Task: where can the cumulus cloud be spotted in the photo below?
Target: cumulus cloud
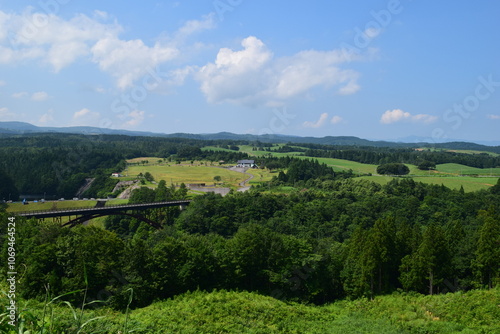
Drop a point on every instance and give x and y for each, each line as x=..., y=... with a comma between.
x=59, y=42
x=493, y=117
x=253, y=76
x=129, y=60
x=319, y=123
x=398, y=115
x=39, y=96
x=52, y=39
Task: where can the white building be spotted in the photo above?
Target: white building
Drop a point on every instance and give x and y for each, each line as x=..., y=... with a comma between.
x=246, y=164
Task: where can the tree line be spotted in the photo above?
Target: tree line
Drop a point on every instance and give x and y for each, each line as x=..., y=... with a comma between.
x=379, y=156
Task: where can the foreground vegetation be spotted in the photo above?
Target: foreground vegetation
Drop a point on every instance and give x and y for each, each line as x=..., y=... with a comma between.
x=244, y=312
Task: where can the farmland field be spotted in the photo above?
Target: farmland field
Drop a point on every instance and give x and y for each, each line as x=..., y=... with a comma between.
x=196, y=173
x=453, y=182
x=464, y=170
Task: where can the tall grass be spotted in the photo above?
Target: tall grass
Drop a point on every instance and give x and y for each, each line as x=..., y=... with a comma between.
x=244, y=312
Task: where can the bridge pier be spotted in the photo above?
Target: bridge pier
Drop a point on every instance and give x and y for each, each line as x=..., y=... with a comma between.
x=182, y=207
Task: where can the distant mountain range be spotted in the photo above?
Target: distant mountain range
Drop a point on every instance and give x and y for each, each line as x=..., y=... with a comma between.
x=22, y=128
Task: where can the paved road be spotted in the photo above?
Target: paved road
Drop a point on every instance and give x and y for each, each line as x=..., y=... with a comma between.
x=243, y=185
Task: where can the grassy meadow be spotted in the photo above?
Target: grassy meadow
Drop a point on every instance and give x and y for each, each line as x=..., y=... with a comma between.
x=198, y=172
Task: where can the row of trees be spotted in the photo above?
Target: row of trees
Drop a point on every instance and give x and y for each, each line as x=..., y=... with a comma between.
x=379, y=156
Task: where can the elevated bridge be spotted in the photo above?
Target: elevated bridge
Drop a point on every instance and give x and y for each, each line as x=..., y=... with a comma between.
x=82, y=215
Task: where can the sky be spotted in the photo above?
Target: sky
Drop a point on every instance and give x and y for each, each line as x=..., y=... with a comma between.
x=375, y=69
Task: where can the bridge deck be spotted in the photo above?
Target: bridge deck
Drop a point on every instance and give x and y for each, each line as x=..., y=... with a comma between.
x=102, y=210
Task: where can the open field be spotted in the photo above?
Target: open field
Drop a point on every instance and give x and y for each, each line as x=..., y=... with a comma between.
x=196, y=173
x=458, y=151
x=453, y=182
x=260, y=175
x=466, y=170
x=204, y=172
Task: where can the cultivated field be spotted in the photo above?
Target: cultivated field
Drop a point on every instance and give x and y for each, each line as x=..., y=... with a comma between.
x=466, y=170
x=452, y=182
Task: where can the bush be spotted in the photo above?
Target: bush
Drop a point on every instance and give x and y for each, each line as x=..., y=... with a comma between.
x=393, y=169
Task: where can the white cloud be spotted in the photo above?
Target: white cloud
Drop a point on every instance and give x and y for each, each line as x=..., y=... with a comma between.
x=6, y=115
x=60, y=42
x=136, y=118
x=252, y=76
x=129, y=60
x=39, y=96
x=494, y=117
x=47, y=118
x=52, y=39
x=336, y=120
x=194, y=26
x=19, y=95
x=319, y=123
x=398, y=115
x=85, y=117
x=424, y=118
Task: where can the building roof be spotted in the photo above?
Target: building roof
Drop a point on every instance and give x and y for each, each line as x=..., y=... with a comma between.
x=246, y=161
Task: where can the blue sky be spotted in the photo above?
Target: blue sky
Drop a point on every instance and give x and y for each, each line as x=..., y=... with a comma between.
x=373, y=69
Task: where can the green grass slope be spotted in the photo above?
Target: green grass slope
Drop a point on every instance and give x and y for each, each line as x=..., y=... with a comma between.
x=244, y=312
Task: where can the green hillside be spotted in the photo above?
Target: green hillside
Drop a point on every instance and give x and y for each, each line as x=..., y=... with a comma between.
x=244, y=312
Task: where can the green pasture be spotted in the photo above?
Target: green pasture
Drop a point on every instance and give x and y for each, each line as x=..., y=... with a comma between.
x=344, y=165
x=261, y=175
x=473, y=152
x=458, y=151
x=453, y=182
x=466, y=170
x=196, y=173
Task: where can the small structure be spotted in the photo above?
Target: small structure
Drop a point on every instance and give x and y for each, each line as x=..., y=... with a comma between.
x=116, y=175
x=246, y=164
x=195, y=185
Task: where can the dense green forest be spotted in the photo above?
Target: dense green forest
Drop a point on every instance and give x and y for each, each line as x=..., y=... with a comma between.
x=333, y=239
